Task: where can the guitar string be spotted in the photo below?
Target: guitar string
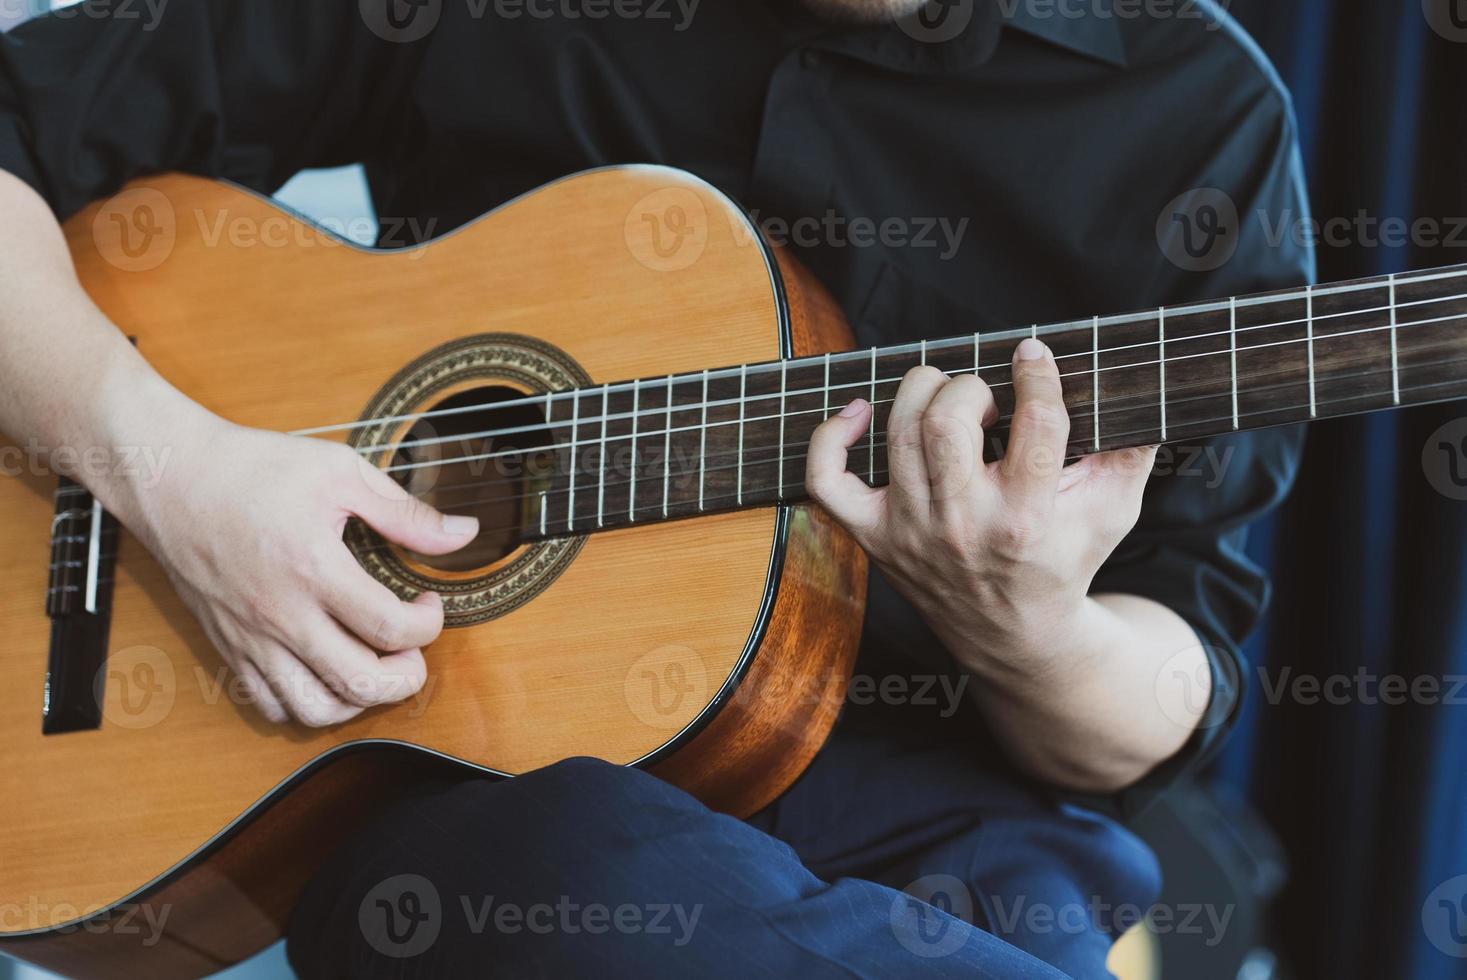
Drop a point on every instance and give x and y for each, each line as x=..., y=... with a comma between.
x=1016, y=333
x=1141, y=401
x=992, y=433
x=1144, y=399
x=669, y=386
x=519, y=452
x=883, y=470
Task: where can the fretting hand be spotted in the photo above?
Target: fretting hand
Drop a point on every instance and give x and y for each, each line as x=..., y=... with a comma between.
x=999, y=557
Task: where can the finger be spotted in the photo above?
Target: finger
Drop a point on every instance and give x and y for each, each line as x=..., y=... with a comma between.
x=359, y=675
x=905, y=460
x=355, y=673
x=308, y=700
x=849, y=500
x=1039, y=430
x=257, y=692
x=953, y=439
x=372, y=612
x=404, y=519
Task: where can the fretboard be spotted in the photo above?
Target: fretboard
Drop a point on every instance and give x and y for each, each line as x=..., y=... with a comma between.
x=664, y=448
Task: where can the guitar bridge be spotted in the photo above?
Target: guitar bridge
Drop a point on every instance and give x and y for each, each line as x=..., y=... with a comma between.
x=79, y=602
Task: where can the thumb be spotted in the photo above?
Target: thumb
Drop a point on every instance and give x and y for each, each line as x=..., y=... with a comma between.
x=1118, y=474
x=403, y=519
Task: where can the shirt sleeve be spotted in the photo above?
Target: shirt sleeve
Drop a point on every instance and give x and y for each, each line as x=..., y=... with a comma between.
x=1187, y=550
x=248, y=90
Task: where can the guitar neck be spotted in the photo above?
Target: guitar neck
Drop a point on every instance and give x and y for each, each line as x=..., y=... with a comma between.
x=664, y=448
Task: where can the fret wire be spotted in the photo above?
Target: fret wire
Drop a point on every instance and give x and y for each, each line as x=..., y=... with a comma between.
x=977, y=362
x=743, y=387
x=632, y=494
x=601, y=487
x=1161, y=365
x=924, y=352
x=871, y=433
x=782, y=376
x=1192, y=309
x=545, y=500
x=1309, y=348
x=1095, y=380
x=895, y=351
x=1395, y=368
x=825, y=412
x=1178, y=358
x=570, y=512
x=94, y=550
x=1233, y=352
x=703, y=442
x=667, y=447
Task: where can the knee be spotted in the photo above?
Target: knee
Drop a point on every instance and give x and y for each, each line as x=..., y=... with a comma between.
x=606, y=784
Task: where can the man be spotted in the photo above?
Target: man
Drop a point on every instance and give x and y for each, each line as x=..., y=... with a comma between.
x=1017, y=159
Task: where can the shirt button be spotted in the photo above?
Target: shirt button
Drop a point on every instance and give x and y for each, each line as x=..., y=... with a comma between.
x=810, y=58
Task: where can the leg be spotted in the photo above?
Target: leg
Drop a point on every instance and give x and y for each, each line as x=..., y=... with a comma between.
x=586, y=868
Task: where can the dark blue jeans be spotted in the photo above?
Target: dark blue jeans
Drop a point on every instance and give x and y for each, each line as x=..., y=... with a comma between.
x=888, y=858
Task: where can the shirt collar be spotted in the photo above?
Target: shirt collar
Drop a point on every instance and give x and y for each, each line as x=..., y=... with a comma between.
x=951, y=35
x=1089, y=27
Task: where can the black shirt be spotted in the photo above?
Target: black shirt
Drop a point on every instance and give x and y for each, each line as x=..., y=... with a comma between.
x=1010, y=164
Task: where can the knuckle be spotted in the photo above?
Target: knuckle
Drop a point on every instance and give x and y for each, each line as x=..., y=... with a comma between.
x=1045, y=416
x=1019, y=536
x=387, y=631
x=311, y=711
x=957, y=533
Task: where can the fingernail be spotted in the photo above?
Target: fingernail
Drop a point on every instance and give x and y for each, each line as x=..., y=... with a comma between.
x=460, y=525
x=853, y=409
x=1031, y=350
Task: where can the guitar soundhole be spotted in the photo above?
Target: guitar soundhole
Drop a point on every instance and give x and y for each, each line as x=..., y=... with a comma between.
x=489, y=458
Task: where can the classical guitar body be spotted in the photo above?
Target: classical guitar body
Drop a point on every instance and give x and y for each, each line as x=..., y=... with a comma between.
x=713, y=650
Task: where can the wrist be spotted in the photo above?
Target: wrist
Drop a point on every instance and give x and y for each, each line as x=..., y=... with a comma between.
x=143, y=428
x=1027, y=649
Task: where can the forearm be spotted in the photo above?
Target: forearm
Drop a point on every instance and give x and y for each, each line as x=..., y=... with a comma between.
x=1082, y=706
x=69, y=379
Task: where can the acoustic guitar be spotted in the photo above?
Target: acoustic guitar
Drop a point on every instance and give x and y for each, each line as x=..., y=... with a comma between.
x=620, y=377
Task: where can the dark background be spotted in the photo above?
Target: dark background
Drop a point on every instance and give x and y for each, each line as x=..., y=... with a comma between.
x=1368, y=554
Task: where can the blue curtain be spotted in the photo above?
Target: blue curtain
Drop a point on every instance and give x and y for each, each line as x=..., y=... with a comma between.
x=1369, y=559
